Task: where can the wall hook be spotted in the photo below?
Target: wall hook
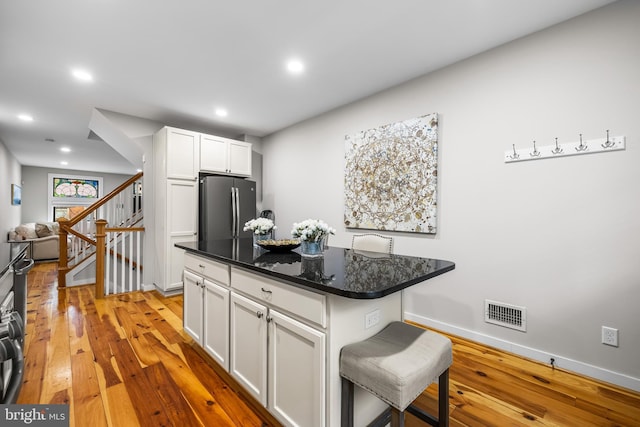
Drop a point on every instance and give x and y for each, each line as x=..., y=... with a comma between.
x=557, y=150
x=608, y=143
x=515, y=155
x=581, y=147
x=535, y=153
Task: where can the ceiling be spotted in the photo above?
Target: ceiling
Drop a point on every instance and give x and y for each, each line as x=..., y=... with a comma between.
x=175, y=62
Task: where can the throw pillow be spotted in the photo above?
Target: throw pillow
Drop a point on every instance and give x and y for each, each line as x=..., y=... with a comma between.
x=43, y=231
x=26, y=232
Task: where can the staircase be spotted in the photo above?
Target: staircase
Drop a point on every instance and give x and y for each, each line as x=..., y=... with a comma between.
x=107, y=235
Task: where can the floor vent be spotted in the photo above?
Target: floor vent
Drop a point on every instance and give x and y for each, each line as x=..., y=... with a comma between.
x=507, y=315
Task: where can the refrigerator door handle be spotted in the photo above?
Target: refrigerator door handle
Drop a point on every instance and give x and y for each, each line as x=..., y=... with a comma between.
x=237, y=211
x=234, y=212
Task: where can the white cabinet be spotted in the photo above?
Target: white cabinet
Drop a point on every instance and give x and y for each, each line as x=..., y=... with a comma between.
x=175, y=221
x=296, y=371
x=193, y=308
x=224, y=155
x=249, y=345
x=175, y=163
x=182, y=153
x=206, y=306
x=278, y=358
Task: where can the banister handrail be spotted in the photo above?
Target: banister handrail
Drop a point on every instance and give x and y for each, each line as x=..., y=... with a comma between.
x=76, y=219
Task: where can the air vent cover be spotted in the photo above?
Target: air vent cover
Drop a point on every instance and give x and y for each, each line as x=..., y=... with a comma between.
x=507, y=315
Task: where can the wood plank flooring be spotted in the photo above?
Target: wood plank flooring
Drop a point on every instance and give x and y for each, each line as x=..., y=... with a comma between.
x=122, y=361
x=125, y=361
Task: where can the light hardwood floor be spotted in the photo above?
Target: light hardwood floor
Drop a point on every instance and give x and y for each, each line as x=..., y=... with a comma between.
x=125, y=361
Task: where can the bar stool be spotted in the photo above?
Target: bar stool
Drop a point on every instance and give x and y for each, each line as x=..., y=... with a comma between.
x=396, y=365
x=372, y=242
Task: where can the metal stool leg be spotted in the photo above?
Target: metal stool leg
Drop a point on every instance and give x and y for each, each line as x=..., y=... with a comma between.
x=443, y=399
x=397, y=418
x=346, y=414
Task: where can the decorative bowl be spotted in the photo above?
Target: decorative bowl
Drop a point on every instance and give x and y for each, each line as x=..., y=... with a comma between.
x=284, y=245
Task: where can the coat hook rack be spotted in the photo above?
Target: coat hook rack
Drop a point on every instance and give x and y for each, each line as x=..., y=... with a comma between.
x=610, y=143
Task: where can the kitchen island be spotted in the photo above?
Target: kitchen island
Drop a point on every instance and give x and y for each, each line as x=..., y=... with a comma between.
x=277, y=321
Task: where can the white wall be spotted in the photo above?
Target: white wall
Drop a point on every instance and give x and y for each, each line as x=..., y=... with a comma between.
x=10, y=173
x=34, y=191
x=559, y=236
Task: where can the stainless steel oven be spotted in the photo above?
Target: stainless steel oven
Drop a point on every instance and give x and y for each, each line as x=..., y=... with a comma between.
x=13, y=293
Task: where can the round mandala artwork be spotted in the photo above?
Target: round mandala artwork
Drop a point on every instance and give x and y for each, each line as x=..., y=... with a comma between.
x=391, y=175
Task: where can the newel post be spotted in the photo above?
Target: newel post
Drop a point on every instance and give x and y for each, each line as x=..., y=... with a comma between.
x=63, y=266
x=100, y=254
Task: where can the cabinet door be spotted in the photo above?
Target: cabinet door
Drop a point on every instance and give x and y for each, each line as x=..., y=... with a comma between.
x=216, y=322
x=214, y=153
x=240, y=158
x=182, y=205
x=192, y=316
x=182, y=154
x=248, y=353
x=296, y=372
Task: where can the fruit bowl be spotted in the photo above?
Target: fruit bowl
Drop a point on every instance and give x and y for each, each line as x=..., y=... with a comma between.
x=283, y=245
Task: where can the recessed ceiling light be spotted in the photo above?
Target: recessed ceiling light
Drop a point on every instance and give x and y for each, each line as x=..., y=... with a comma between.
x=83, y=75
x=25, y=117
x=295, y=66
x=221, y=112
x=65, y=149
x=64, y=163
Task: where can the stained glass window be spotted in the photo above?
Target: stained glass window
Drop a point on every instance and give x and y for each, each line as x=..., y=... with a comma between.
x=75, y=188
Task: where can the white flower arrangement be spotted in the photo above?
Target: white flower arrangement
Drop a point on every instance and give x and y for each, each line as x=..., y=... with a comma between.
x=260, y=226
x=311, y=230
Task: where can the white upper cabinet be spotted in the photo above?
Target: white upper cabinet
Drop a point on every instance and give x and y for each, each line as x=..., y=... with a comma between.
x=224, y=155
x=182, y=154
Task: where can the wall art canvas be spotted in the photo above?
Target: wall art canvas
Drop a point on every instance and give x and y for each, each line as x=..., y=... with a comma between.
x=391, y=176
x=16, y=194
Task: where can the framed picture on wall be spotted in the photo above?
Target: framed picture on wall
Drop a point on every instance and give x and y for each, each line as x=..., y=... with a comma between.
x=16, y=194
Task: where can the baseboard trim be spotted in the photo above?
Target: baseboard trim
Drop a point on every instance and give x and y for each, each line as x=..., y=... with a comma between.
x=576, y=366
x=147, y=288
x=81, y=282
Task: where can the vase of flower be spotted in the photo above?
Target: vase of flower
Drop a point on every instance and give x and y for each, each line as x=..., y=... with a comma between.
x=312, y=234
x=311, y=249
x=262, y=229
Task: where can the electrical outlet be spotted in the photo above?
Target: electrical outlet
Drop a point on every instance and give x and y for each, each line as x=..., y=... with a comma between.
x=609, y=336
x=371, y=319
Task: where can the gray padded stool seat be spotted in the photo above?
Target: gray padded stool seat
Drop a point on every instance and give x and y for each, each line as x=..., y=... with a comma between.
x=396, y=365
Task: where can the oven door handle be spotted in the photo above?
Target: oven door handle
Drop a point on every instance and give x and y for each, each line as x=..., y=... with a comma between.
x=11, y=349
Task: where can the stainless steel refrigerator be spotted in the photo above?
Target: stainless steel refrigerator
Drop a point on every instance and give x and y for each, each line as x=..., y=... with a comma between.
x=225, y=204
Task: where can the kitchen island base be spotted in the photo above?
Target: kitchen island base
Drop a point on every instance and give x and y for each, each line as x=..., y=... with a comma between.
x=277, y=323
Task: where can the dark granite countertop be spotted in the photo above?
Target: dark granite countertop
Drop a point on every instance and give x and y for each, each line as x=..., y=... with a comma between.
x=345, y=272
